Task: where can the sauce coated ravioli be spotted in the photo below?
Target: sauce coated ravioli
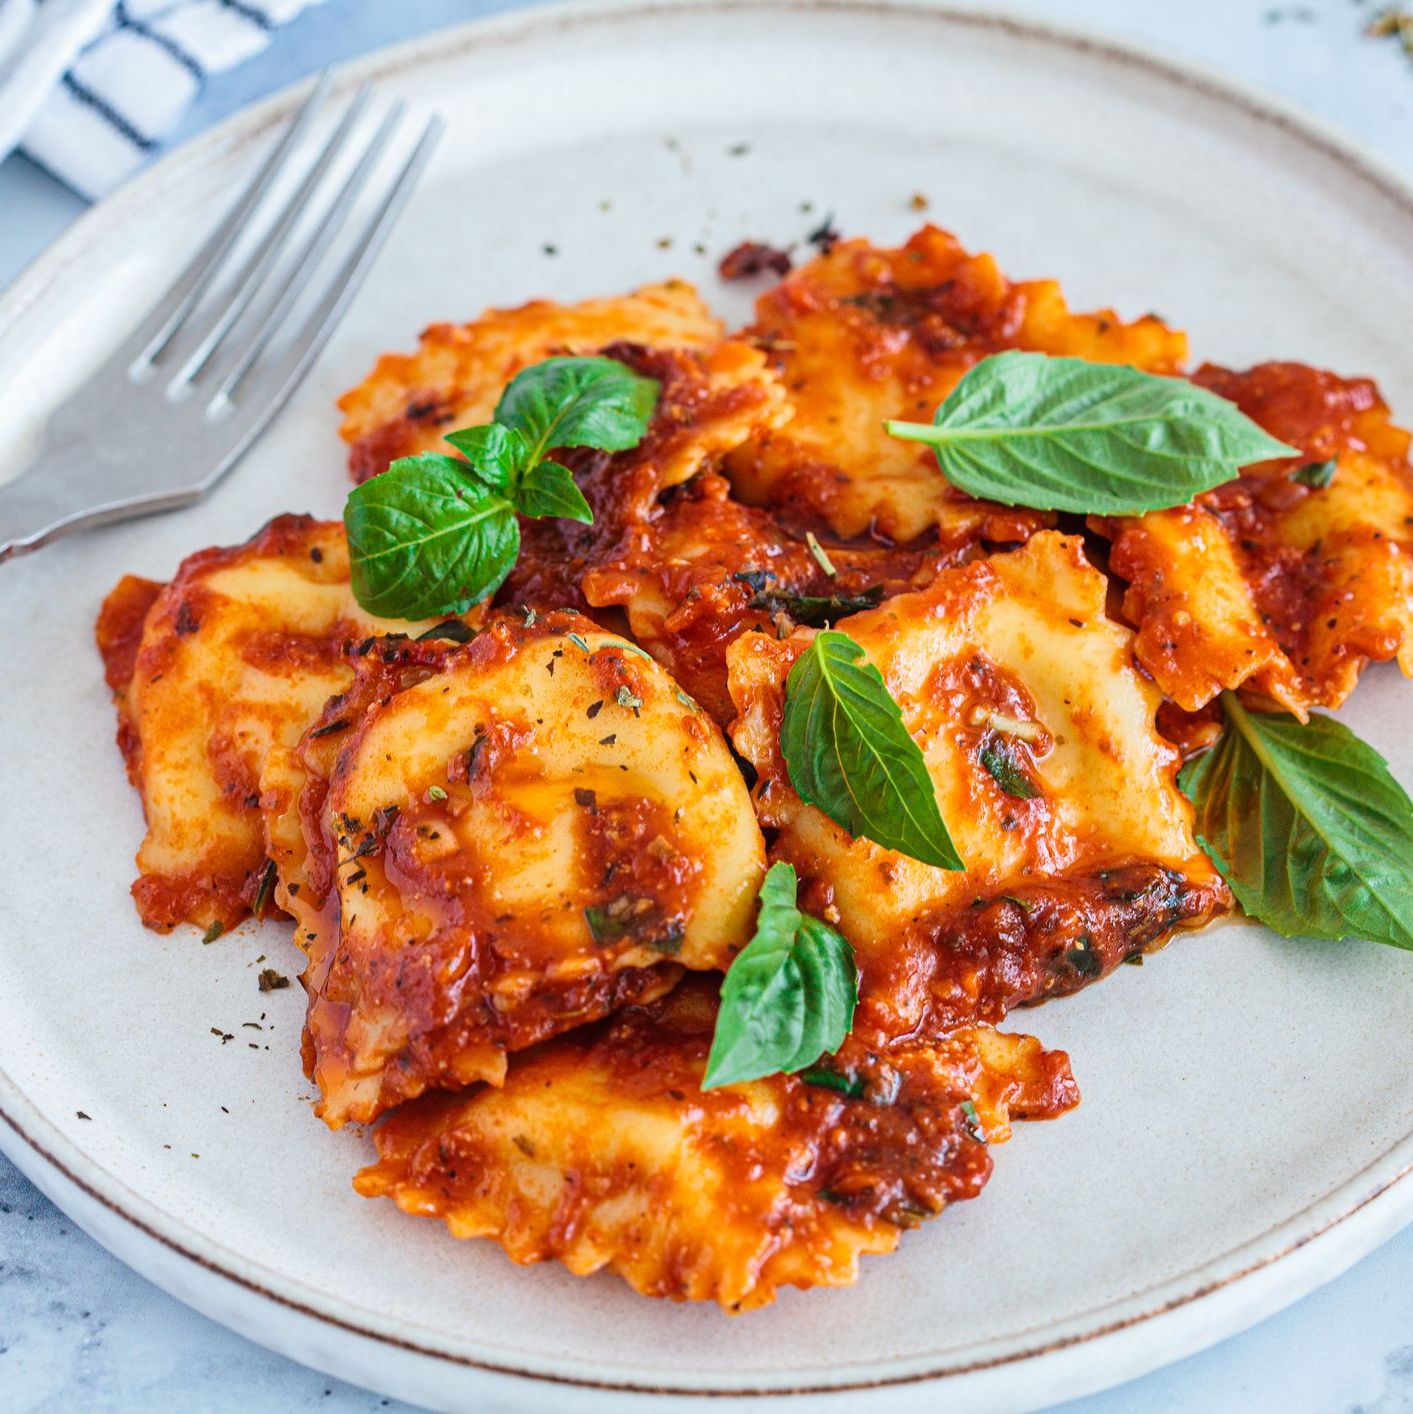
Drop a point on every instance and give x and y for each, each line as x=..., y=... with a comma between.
x=456, y=377
x=520, y=854
x=233, y=658
x=600, y=1150
x=1077, y=841
x=864, y=334
x=1290, y=578
x=507, y=843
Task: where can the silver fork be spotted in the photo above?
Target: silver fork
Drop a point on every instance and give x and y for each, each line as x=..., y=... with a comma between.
x=182, y=398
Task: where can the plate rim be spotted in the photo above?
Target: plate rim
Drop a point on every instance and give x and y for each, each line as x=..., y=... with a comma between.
x=1378, y=1186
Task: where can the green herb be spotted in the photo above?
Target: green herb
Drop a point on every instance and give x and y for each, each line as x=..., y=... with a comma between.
x=605, y=925
x=492, y=452
x=436, y=534
x=578, y=402
x=435, y=793
x=626, y=697
x=1307, y=825
x=550, y=490
x=788, y=997
x=452, y=629
x=630, y=916
x=669, y=940
x=213, y=932
x=686, y=701
x=1000, y=758
x=848, y=753
x=1064, y=434
x=263, y=891
x=815, y=610
x=1083, y=958
x=973, y=1120
x=579, y=641
x=627, y=648
x=1316, y=475
x=820, y=555
x=424, y=539
x=827, y=1079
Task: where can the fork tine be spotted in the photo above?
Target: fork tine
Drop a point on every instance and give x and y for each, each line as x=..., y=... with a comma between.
x=284, y=374
x=262, y=261
x=157, y=331
x=330, y=222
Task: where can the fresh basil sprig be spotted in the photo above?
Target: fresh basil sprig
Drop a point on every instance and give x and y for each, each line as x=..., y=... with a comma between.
x=435, y=534
x=847, y=752
x=1307, y=826
x=789, y=996
x=1064, y=434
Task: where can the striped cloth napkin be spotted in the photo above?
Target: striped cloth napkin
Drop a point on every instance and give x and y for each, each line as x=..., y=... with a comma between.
x=89, y=88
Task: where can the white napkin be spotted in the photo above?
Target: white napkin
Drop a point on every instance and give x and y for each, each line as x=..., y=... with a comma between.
x=88, y=88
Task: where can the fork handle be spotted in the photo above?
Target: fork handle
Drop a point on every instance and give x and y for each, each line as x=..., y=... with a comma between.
x=60, y=493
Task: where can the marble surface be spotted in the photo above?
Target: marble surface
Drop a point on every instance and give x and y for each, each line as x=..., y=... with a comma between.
x=78, y=1331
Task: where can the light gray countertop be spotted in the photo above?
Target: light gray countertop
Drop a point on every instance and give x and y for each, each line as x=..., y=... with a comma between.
x=79, y=1331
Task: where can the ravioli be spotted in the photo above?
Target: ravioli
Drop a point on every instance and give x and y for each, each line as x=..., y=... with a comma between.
x=409, y=401
x=1038, y=733
x=1271, y=584
x=537, y=829
x=864, y=334
x=707, y=569
x=520, y=854
x=601, y=1151
x=708, y=403
x=234, y=657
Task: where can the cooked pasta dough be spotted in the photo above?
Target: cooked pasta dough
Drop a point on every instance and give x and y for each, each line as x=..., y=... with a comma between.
x=540, y=827
x=455, y=379
x=601, y=1151
x=1009, y=658
x=863, y=334
x=1276, y=582
x=235, y=656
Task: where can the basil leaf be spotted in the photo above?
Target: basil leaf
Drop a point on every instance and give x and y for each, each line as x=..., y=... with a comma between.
x=424, y=540
x=1316, y=475
x=848, y=752
x=578, y=402
x=453, y=630
x=816, y=610
x=631, y=916
x=1002, y=761
x=549, y=490
x=1063, y=434
x=1307, y=826
x=789, y=995
x=851, y=1087
x=495, y=455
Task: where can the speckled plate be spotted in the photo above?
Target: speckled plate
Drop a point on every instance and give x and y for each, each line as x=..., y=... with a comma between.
x=1248, y=1102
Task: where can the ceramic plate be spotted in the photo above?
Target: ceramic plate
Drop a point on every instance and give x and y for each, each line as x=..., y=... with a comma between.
x=1248, y=1102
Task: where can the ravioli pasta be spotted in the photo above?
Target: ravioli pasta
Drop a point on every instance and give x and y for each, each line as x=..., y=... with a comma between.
x=1274, y=581
x=600, y=1150
x=456, y=376
x=236, y=656
x=861, y=335
x=521, y=847
x=1009, y=658
x=534, y=831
